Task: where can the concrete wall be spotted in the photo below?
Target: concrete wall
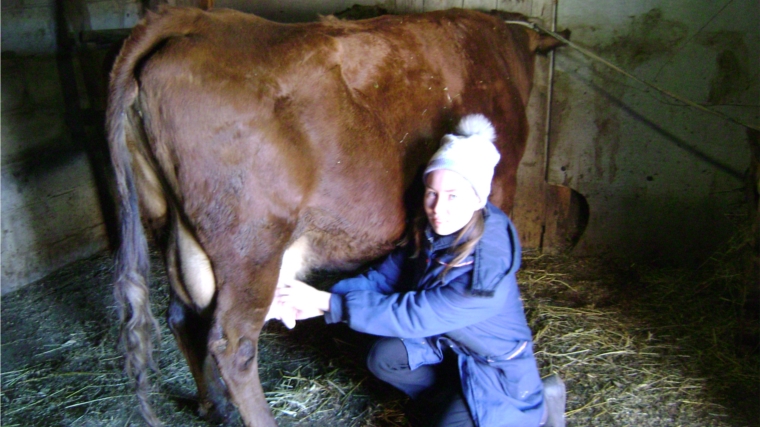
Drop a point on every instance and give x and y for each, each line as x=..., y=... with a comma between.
x=51, y=213
x=50, y=210
x=661, y=179
x=29, y=25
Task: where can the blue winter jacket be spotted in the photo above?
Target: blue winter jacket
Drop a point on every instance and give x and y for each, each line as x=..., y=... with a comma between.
x=475, y=310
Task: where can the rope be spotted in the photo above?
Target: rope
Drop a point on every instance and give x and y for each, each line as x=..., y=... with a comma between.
x=539, y=29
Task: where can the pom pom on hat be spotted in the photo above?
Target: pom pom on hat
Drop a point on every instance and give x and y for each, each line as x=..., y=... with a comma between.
x=470, y=152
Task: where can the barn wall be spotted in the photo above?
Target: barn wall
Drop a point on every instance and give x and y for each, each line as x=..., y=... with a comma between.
x=51, y=212
x=662, y=180
x=29, y=25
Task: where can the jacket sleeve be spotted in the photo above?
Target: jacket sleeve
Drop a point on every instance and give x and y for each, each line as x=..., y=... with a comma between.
x=418, y=314
x=382, y=278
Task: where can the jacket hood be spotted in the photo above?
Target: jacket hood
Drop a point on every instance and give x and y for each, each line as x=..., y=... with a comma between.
x=497, y=254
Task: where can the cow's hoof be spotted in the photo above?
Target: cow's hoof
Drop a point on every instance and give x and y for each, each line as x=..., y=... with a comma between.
x=554, y=399
x=216, y=406
x=220, y=415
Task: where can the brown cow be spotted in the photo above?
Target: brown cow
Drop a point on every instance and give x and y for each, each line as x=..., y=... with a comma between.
x=257, y=151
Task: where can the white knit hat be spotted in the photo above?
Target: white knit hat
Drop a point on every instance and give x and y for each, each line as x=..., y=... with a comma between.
x=470, y=152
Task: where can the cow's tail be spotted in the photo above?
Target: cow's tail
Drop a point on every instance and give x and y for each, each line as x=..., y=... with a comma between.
x=138, y=324
x=131, y=274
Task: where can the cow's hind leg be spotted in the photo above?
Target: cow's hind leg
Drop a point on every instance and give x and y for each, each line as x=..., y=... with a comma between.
x=191, y=330
x=189, y=318
x=244, y=294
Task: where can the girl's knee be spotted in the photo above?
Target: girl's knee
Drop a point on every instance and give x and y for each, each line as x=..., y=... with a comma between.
x=387, y=357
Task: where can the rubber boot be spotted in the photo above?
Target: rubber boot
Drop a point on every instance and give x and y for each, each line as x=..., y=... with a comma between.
x=554, y=401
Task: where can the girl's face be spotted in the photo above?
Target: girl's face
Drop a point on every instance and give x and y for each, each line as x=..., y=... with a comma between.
x=450, y=201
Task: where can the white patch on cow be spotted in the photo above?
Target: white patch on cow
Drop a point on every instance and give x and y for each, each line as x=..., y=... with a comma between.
x=196, y=268
x=294, y=260
x=172, y=270
x=149, y=188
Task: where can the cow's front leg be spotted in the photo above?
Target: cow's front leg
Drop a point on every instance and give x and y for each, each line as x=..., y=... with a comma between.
x=243, y=300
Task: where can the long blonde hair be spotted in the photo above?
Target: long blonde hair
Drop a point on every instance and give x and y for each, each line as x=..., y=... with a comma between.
x=464, y=243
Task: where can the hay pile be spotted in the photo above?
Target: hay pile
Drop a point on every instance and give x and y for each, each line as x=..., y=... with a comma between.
x=635, y=345
x=645, y=351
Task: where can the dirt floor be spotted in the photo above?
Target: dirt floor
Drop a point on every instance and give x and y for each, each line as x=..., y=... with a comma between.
x=636, y=346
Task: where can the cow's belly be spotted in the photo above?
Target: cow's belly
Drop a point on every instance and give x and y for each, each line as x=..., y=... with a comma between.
x=295, y=260
x=336, y=248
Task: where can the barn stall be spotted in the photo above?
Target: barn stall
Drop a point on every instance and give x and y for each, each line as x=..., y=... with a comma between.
x=639, y=213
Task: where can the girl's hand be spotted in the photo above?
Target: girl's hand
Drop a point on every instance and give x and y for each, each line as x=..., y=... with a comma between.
x=306, y=300
x=279, y=310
